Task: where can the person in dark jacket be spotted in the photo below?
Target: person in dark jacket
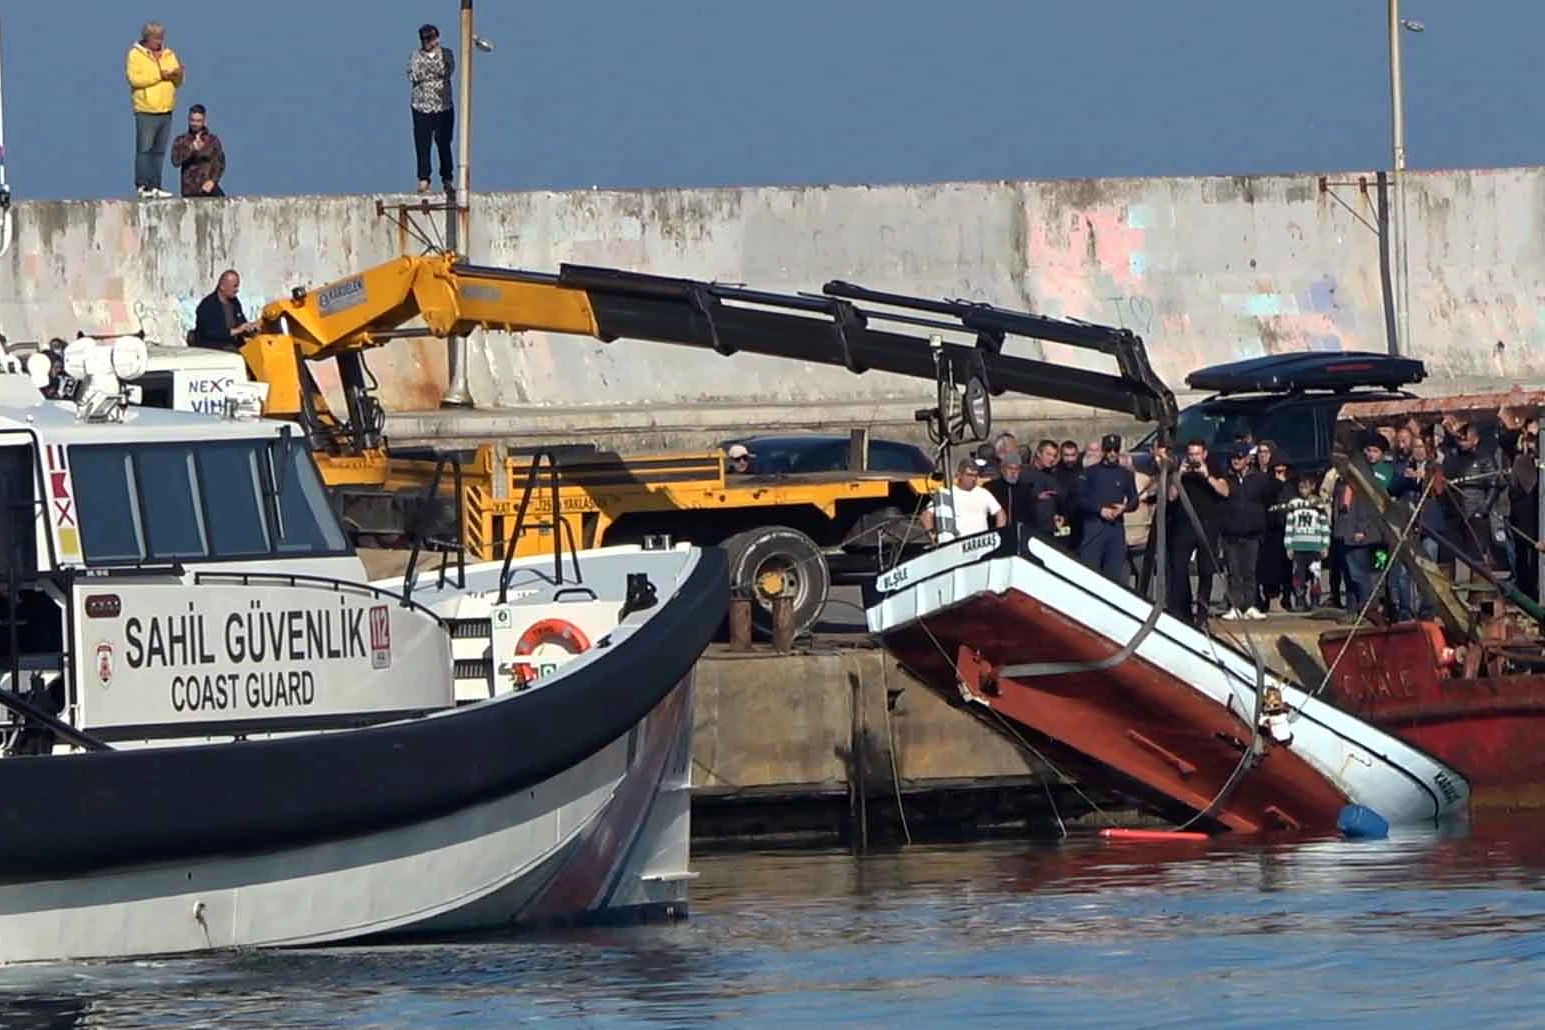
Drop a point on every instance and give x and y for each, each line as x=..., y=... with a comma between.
x=1242, y=524
x=1473, y=480
x=1106, y=492
x=1205, y=486
x=1069, y=469
x=1353, y=524
x=1010, y=488
x=1520, y=443
x=1273, y=568
x=1411, y=484
x=1044, y=491
x=219, y=322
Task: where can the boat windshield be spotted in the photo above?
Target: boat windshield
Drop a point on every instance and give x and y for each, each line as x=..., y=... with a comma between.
x=201, y=501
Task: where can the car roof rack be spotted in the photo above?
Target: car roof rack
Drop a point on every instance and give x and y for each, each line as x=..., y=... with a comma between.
x=1309, y=370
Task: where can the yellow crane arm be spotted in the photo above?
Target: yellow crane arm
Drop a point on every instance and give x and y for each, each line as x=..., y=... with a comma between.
x=343, y=319
x=370, y=308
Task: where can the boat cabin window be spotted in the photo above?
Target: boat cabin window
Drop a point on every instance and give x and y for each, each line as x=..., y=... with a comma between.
x=174, y=523
x=105, y=490
x=232, y=476
x=307, y=522
x=204, y=501
x=18, y=513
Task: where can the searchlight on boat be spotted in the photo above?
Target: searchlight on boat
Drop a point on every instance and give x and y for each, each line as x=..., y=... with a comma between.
x=100, y=370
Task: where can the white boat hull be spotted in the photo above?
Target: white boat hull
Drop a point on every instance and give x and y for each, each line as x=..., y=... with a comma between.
x=920, y=604
x=604, y=839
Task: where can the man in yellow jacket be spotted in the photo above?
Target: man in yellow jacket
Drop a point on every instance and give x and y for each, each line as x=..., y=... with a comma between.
x=154, y=73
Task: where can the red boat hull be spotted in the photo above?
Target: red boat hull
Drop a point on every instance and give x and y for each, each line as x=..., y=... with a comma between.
x=1134, y=728
x=1488, y=729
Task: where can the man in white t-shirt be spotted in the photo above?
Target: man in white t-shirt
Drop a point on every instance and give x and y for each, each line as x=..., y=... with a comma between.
x=965, y=510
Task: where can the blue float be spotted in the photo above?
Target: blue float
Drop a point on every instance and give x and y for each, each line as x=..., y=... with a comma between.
x=1361, y=823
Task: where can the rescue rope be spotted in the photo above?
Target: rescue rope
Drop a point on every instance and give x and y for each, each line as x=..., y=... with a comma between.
x=1037, y=670
x=890, y=740
x=1067, y=780
x=1247, y=761
x=1416, y=512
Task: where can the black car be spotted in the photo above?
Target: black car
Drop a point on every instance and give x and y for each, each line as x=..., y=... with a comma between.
x=793, y=454
x=1290, y=399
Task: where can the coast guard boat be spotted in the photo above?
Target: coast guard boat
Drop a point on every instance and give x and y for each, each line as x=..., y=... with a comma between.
x=217, y=734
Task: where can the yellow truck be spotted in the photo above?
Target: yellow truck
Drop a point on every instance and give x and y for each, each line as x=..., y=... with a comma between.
x=785, y=532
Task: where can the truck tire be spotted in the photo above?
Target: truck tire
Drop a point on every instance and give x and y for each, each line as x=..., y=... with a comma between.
x=758, y=558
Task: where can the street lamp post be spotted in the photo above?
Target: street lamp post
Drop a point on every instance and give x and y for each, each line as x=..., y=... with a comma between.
x=6, y=223
x=459, y=230
x=1398, y=252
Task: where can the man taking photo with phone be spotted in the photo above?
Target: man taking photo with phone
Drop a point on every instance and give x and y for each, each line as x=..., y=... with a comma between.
x=200, y=156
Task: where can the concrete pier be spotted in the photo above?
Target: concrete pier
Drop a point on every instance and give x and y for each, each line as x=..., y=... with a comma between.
x=1207, y=269
x=837, y=743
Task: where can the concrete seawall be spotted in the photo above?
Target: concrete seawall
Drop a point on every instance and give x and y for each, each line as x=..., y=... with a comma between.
x=1206, y=269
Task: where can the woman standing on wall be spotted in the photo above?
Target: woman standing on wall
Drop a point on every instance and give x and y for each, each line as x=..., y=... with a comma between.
x=434, y=115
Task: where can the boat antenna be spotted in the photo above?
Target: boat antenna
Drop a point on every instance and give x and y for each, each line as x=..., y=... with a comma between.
x=7, y=219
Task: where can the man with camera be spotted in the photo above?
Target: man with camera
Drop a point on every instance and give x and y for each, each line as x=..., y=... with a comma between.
x=1205, y=487
x=1242, y=525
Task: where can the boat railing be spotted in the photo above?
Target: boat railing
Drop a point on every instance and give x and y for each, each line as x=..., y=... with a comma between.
x=560, y=525
x=541, y=474
x=296, y=579
x=420, y=535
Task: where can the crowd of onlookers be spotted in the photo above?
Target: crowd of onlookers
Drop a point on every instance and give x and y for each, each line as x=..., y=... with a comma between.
x=1270, y=531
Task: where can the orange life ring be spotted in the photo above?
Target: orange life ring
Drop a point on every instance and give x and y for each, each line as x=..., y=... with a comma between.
x=547, y=631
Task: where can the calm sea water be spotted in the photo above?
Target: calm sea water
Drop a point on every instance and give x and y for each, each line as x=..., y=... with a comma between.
x=1421, y=930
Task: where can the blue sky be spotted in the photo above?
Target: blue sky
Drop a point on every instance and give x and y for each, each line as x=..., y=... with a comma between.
x=311, y=97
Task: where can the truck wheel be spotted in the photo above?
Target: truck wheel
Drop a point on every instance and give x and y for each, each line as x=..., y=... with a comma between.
x=763, y=561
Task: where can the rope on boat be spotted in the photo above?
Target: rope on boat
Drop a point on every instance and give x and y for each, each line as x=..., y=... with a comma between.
x=1252, y=753
x=890, y=742
x=1067, y=780
x=1037, y=670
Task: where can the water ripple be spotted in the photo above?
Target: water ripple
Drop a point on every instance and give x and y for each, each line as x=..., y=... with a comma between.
x=1432, y=929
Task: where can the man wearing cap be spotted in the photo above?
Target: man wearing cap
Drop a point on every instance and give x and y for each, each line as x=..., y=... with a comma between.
x=429, y=77
x=965, y=509
x=1242, y=524
x=1106, y=492
x=1353, y=523
x=738, y=458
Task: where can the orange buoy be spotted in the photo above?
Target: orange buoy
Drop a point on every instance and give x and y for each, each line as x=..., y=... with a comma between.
x=1144, y=836
x=547, y=631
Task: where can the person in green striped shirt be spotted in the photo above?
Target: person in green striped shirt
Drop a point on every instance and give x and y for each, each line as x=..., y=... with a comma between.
x=1306, y=535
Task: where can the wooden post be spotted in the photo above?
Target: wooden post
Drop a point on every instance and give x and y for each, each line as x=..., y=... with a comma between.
x=783, y=623
x=740, y=622
x=858, y=450
x=858, y=790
